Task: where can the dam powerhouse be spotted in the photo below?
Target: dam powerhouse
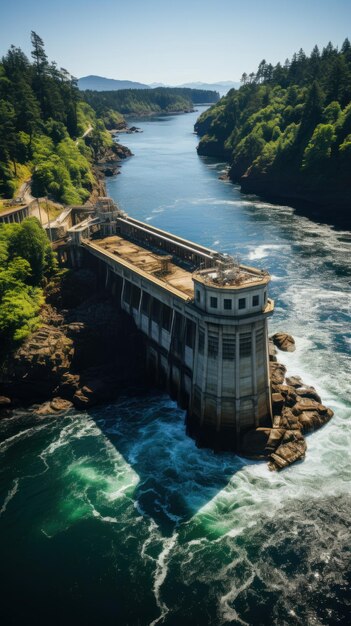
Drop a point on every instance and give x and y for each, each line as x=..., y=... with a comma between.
x=203, y=315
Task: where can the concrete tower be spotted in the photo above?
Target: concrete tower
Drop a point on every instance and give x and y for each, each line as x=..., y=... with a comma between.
x=230, y=386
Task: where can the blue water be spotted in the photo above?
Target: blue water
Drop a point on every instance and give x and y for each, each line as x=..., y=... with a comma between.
x=115, y=517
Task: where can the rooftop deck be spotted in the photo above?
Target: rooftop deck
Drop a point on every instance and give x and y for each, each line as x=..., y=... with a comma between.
x=156, y=267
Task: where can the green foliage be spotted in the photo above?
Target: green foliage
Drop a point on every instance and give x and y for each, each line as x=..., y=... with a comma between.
x=19, y=310
x=41, y=116
x=29, y=241
x=113, y=119
x=26, y=258
x=318, y=150
x=290, y=122
x=146, y=101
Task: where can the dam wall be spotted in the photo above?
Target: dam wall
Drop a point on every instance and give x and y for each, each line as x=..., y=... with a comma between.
x=203, y=316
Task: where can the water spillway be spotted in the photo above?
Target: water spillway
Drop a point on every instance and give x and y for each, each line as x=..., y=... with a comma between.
x=203, y=314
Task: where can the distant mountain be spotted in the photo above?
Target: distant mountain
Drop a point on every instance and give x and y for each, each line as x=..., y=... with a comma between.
x=99, y=83
x=222, y=87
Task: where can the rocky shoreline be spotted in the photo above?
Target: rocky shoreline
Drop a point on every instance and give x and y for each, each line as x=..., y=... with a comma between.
x=86, y=352
x=297, y=410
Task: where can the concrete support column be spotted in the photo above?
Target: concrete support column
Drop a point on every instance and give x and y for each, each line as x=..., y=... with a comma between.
x=122, y=291
x=219, y=376
x=237, y=381
x=194, y=366
x=204, y=375
x=268, y=388
x=254, y=374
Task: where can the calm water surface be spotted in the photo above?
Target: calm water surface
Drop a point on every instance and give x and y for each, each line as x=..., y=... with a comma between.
x=115, y=517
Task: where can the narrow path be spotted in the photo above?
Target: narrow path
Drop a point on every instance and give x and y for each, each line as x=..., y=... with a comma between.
x=25, y=192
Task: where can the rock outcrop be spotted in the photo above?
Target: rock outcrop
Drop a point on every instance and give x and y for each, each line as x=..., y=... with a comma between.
x=82, y=355
x=284, y=342
x=297, y=409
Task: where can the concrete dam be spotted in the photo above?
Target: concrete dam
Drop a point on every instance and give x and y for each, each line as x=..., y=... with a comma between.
x=204, y=317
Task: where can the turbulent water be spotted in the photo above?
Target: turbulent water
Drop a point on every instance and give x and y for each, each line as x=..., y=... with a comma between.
x=115, y=517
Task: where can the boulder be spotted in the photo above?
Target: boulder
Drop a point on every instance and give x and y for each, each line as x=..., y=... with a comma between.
x=284, y=342
x=309, y=392
x=292, y=448
x=4, y=402
x=288, y=421
x=294, y=381
x=272, y=351
x=5, y=407
x=277, y=403
x=305, y=404
x=277, y=373
x=254, y=442
x=289, y=394
x=312, y=420
x=36, y=367
x=53, y=407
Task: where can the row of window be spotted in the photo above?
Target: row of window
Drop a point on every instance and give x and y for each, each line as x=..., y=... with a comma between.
x=228, y=345
x=228, y=302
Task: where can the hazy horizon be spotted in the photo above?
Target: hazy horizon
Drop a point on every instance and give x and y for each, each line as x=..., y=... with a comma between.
x=152, y=42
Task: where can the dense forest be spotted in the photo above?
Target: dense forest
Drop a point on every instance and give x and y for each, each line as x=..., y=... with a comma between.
x=42, y=120
x=26, y=262
x=146, y=101
x=287, y=131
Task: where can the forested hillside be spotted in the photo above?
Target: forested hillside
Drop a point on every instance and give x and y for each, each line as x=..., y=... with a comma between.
x=26, y=258
x=287, y=131
x=146, y=101
x=42, y=118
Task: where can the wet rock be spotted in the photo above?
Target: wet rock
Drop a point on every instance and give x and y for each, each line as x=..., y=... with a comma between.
x=305, y=404
x=53, y=407
x=294, y=381
x=290, y=395
x=4, y=402
x=292, y=448
x=277, y=403
x=35, y=369
x=288, y=420
x=5, y=407
x=277, y=373
x=272, y=351
x=309, y=392
x=312, y=420
x=284, y=342
x=254, y=442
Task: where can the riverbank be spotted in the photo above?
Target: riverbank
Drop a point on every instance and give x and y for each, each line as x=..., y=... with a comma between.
x=85, y=352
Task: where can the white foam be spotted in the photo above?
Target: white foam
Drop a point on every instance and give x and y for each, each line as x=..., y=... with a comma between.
x=160, y=576
x=23, y=434
x=10, y=495
x=260, y=252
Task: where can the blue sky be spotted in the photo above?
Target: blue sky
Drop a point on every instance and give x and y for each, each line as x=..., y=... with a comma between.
x=172, y=42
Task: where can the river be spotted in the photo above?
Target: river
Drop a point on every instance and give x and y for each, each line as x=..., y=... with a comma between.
x=115, y=517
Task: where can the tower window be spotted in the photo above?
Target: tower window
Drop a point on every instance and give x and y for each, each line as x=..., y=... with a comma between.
x=198, y=296
x=229, y=347
x=227, y=304
x=213, y=302
x=255, y=300
x=212, y=346
x=265, y=297
x=242, y=303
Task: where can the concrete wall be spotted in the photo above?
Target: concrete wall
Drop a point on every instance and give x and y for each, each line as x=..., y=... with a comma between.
x=214, y=365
